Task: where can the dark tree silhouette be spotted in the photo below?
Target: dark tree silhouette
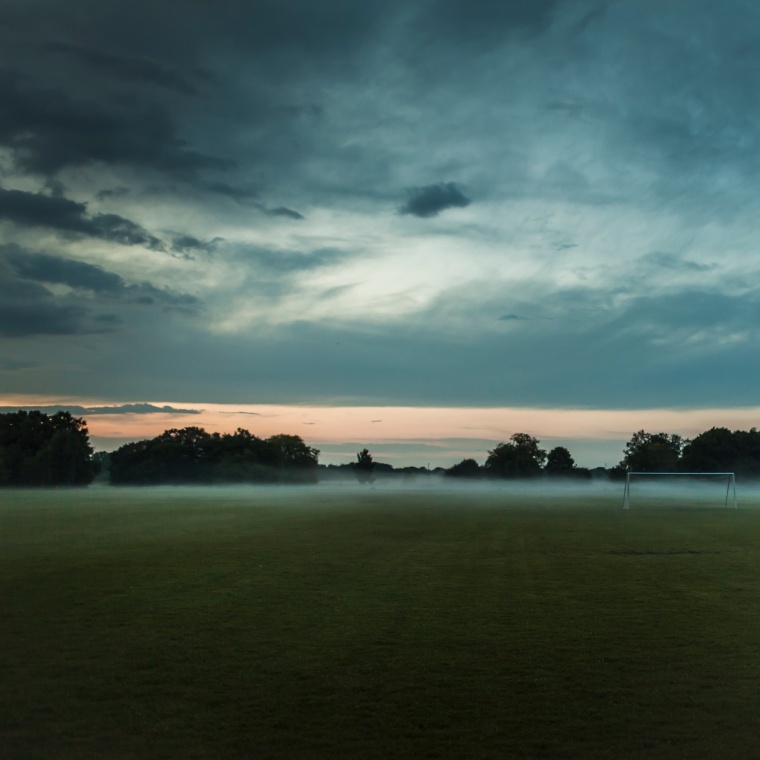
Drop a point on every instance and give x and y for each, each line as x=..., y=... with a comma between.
x=711, y=451
x=720, y=450
x=191, y=455
x=747, y=460
x=653, y=452
x=364, y=466
x=41, y=450
x=521, y=457
x=559, y=462
x=467, y=468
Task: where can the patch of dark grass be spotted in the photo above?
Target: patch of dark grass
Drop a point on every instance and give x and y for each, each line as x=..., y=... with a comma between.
x=257, y=623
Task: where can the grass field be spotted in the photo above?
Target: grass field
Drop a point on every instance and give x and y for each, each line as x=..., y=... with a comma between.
x=317, y=623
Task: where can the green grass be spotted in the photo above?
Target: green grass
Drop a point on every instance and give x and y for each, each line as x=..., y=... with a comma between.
x=221, y=623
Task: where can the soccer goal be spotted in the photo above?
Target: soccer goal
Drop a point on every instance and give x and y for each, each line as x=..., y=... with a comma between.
x=730, y=497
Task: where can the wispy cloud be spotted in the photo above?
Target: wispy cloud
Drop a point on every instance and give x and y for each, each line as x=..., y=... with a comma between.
x=98, y=410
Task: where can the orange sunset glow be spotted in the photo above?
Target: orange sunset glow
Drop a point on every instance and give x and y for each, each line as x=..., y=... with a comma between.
x=319, y=425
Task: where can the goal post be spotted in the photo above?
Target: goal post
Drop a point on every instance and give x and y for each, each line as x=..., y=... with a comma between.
x=730, y=500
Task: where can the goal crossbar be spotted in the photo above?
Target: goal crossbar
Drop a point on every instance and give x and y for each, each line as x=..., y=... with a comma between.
x=730, y=483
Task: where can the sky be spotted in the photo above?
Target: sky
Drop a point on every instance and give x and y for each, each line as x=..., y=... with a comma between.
x=466, y=219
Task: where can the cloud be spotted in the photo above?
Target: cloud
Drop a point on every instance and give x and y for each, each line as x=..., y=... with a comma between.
x=46, y=130
x=97, y=410
x=11, y=365
x=431, y=200
x=312, y=110
x=283, y=211
x=285, y=261
x=67, y=216
x=20, y=319
x=170, y=300
x=671, y=261
x=116, y=192
x=28, y=308
x=238, y=193
x=561, y=123
x=187, y=243
x=132, y=69
x=41, y=267
x=485, y=21
x=698, y=316
x=639, y=353
x=108, y=319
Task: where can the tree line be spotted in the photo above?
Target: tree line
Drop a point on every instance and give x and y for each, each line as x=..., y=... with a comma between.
x=37, y=449
x=41, y=450
x=716, y=450
x=522, y=458
x=192, y=455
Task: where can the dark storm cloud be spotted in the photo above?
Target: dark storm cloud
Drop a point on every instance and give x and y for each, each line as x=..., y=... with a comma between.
x=31, y=309
x=281, y=39
x=28, y=309
x=20, y=318
x=47, y=130
x=54, y=269
x=315, y=363
x=261, y=110
x=431, y=200
x=485, y=21
x=656, y=351
x=62, y=214
x=132, y=69
x=636, y=114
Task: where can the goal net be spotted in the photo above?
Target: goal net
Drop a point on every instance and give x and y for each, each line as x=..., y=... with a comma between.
x=704, y=489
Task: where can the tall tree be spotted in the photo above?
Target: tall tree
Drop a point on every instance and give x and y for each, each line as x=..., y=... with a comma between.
x=653, y=452
x=720, y=450
x=559, y=462
x=364, y=466
x=41, y=450
x=521, y=457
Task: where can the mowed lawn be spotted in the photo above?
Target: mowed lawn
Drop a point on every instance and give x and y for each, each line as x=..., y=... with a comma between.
x=318, y=623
